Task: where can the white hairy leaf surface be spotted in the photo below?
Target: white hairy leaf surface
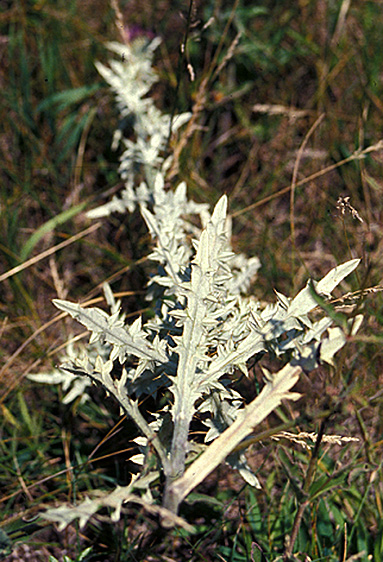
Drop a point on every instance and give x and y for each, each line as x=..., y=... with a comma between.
x=203, y=329
x=108, y=328
x=304, y=302
x=66, y=514
x=277, y=388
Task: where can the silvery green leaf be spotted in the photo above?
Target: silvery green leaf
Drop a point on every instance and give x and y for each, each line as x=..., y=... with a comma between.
x=284, y=301
x=131, y=77
x=202, y=327
x=317, y=330
x=219, y=214
x=112, y=330
x=355, y=323
x=78, y=389
x=239, y=462
x=332, y=344
x=65, y=514
x=326, y=285
x=180, y=120
x=138, y=459
x=277, y=388
x=55, y=377
x=337, y=338
x=223, y=404
x=192, y=345
x=304, y=301
x=115, y=306
x=251, y=345
x=77, y=385
x=115, y=205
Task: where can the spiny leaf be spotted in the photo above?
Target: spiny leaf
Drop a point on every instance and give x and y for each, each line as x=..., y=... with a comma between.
x=104, y=327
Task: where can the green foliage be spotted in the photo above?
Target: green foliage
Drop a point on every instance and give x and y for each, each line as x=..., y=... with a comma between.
x=5, y=544
x=47, y=113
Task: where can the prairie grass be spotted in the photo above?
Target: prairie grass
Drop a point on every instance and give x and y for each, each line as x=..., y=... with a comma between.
x=281, y=117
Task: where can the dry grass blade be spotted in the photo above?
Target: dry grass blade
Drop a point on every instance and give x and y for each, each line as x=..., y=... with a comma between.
x=48, y=252
x=357, y=155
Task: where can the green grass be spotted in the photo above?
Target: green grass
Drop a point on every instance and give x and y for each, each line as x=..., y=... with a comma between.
x=58, y=120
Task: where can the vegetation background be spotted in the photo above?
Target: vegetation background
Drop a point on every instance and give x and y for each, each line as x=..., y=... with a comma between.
x=281, y=115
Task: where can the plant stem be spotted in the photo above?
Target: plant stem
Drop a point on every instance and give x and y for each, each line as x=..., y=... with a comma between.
x=305, y=489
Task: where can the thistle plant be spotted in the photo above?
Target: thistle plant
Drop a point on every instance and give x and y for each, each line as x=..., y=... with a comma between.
x=204, y=329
